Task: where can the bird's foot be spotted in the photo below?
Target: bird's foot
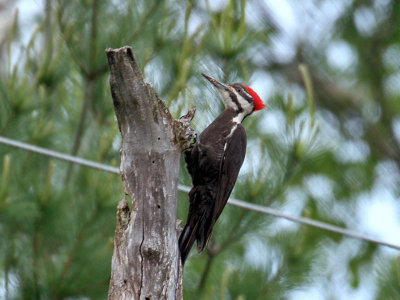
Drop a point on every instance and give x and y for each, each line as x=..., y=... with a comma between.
x=192, y=140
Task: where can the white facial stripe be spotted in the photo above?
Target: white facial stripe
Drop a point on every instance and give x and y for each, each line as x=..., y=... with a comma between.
x=247, y=94
x=227, y=99
x=247, y=108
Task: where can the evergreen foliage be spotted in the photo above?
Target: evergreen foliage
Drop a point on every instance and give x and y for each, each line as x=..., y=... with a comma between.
x=327, y=145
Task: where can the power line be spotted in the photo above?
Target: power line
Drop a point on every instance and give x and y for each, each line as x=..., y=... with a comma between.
x=183, y=188
x=59, y=155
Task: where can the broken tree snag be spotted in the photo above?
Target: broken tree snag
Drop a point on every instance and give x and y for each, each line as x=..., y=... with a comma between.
x=146, y=260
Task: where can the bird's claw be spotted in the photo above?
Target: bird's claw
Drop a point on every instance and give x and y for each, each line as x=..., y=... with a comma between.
x=191, y=141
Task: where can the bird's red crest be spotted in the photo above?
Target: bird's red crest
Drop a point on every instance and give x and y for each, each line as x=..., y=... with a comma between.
x=258, y=103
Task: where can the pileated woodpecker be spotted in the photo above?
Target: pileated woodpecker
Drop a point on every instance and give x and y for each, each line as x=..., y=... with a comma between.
x=214, y=162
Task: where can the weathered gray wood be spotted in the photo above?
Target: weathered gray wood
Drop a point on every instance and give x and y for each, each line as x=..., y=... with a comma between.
x=146, y=261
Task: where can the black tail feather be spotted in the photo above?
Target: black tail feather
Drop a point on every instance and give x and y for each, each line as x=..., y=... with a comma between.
x=186, y=241
x=199, y=222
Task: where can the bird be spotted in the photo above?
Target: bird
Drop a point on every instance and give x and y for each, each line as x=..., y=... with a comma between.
x=213, y=162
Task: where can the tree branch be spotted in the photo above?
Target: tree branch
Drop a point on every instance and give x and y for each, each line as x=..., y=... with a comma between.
x=339, y=101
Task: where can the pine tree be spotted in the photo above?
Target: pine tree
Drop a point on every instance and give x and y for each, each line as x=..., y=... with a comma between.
x=320, y=153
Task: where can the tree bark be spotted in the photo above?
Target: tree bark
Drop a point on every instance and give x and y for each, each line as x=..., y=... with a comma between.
x=146, y=262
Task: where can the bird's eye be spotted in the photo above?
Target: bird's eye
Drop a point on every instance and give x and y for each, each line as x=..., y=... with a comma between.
x=238, y=90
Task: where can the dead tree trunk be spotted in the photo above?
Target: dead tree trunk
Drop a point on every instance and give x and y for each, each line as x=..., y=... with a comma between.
x=146, y=261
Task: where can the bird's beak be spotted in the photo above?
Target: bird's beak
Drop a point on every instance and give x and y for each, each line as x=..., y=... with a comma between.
x=216, y=83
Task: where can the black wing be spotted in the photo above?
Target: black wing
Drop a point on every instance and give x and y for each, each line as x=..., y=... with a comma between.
x=231, y=163
x=230, y=166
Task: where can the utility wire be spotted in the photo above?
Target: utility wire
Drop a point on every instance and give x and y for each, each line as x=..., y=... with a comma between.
x=186, y=189
x=59, y=155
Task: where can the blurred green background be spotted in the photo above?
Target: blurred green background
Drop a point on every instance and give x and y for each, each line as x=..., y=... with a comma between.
x=334, y=157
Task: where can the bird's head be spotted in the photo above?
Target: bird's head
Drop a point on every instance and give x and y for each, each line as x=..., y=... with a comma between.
x=238, y=96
